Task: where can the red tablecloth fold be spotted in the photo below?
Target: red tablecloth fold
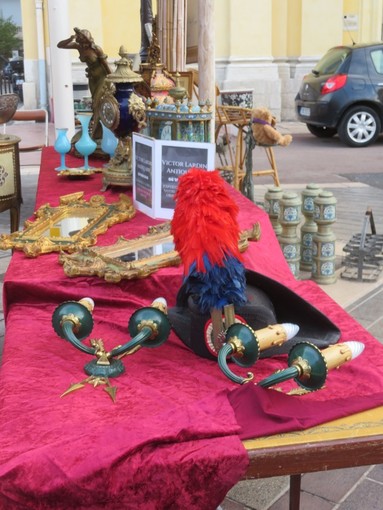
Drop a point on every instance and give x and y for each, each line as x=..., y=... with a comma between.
x=172, y=439
x=262, y=412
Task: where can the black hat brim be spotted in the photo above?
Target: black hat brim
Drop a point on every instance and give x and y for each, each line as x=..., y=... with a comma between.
x=269, y=302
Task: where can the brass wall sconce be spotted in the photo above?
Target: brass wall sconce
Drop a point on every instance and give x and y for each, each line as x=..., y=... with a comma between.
x=244, y=345
x=72, y=320
x=309, y=366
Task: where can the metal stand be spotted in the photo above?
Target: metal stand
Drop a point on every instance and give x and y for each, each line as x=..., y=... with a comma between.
x=364, y=261
x=295, y=492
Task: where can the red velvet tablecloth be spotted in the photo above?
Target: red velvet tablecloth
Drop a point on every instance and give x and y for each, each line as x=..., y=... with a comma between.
x=172, y=440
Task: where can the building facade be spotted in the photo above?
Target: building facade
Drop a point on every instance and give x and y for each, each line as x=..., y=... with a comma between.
x=262, y=45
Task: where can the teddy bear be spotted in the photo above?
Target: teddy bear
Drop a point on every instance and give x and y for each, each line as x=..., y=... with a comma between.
x=263, y=126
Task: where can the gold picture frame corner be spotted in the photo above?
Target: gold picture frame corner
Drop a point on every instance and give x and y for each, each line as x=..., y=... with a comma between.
x=72, y=225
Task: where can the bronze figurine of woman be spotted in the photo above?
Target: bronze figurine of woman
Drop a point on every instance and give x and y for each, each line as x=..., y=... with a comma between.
x=96, y=71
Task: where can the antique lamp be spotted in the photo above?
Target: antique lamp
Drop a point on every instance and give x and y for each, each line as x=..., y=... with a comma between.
x=72, y=320
x=243, y=345
x=123, y=112
x=8, y=107
x=10, y=181
x=153, y=72
x=309, y=366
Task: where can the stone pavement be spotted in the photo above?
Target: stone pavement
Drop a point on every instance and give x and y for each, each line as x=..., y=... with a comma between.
x=355, y=186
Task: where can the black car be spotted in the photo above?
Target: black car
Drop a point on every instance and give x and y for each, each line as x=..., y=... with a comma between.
x=344, y=94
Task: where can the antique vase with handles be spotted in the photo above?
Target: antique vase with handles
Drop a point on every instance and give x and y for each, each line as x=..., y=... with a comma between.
x=85, y=145
x=127, y=124
x=122, y=110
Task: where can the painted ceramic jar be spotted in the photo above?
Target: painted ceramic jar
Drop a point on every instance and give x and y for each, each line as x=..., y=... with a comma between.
x=309, y=227
x=323, y=266
x=290, y=218
x=271, y=204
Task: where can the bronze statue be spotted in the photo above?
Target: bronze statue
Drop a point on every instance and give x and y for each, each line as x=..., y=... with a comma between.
x=146, y=16
x=96, y=71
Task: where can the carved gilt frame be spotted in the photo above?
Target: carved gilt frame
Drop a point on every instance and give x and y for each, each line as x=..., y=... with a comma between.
x=88, y=219
x=105, y=261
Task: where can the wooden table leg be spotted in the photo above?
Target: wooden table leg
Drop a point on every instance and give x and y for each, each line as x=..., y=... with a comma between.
x=295, y=492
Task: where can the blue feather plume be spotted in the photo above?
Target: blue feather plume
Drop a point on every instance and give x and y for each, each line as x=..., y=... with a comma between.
x=219, y=285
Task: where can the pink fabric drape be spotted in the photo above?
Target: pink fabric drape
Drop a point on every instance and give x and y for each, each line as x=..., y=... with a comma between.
x=173, y=437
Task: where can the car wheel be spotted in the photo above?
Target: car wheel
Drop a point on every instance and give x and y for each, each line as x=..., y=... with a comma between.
x=321, y=131
x=359, y=127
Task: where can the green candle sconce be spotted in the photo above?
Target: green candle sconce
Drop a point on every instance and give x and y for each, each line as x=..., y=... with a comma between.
x=309, y=366
x=243, y=345
x=148, y=326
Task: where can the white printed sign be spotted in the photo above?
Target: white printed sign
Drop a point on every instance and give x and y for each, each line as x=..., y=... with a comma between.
x=157, y=166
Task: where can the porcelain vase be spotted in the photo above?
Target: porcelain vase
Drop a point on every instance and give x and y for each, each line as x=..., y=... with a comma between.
x=109, y=141
x=85, y=145
x=62, y=146
x=127, y=124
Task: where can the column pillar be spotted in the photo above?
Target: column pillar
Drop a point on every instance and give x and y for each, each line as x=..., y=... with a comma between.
x=370, y=21
x=43, y=102
x=206, y=53
x=61, y=66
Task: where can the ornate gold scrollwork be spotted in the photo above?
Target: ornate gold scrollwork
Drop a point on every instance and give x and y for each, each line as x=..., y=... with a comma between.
x=73, y=225
x=135, y=258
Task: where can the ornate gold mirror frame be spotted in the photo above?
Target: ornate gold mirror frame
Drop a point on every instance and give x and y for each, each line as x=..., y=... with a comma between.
x=71, y=226
x=135, y=258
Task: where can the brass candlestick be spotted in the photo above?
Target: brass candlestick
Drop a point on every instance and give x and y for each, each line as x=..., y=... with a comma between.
x=72, y=320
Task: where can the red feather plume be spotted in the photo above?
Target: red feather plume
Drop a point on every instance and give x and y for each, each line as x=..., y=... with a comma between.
x=204, y=220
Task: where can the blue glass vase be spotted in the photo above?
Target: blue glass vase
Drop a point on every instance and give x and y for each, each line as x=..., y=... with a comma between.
x=109, y=141
x=85, y=145
x=62, y=146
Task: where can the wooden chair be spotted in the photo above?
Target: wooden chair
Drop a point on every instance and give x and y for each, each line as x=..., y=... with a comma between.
x=240, y=119
x=38, y=115
x=273, y=170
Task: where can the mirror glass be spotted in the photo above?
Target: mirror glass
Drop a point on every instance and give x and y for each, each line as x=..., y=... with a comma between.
x=157, y=249
x=67, y=227
x=135, y=258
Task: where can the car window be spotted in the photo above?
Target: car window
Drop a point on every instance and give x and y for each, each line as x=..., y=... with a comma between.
x=332, y=61
x=377, y=60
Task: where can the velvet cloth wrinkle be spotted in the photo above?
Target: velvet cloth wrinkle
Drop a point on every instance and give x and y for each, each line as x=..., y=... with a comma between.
x=80, y=438
x=173, y=437
x=162, y=442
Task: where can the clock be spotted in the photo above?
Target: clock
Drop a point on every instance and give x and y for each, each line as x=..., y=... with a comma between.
x=110, y=112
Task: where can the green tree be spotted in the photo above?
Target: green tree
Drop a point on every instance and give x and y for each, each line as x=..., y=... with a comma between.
x=9, y=39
